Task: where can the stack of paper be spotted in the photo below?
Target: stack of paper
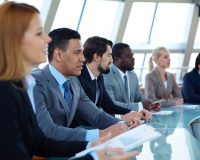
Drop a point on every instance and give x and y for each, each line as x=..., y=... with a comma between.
x=128, y=140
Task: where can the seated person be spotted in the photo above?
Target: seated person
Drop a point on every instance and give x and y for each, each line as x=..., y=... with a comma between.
x=121, y=82
x=23, y=45
x=98, y=55
x=159, y=84
x=59, y=97
x=191, y=84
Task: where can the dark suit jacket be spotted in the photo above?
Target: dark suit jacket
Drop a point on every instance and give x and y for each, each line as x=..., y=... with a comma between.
x=20, y=136
x=104, y=100
x=191, y=87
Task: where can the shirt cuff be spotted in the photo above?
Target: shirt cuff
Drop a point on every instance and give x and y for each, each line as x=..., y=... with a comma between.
x=140, y=106
x=92, y=134
x=94, y=155
x=118, y=116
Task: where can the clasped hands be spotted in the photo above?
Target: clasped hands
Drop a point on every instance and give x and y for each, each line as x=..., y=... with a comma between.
x=150, y=106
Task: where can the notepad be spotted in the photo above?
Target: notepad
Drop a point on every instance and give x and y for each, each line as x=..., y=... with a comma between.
x=128, y=140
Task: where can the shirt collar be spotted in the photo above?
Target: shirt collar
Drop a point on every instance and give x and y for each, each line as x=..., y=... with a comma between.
x=29, y=81
x=90, y=73
x=122, y=74
x=57, y=75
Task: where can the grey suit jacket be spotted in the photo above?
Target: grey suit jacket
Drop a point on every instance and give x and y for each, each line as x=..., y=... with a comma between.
x=116, y=90
x=155, y=89
x=52, y=111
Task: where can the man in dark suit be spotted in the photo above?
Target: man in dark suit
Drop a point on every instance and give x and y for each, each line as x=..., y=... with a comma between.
x=98, y=55
x=53, y=111
x=191, y=85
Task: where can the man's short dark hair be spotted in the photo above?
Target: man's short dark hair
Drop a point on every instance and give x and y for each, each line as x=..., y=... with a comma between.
x=95, y=45
x=118, y=49
x=60, y=39
x=197, y=61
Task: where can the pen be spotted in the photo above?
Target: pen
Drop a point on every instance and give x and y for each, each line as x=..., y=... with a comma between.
x=157, y=101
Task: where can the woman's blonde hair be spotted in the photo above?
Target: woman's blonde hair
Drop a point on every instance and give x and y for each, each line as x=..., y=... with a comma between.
x=155, y=54
x=14, y=19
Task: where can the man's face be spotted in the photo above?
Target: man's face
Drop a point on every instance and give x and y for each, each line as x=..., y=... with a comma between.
x=105, y=61
x=127, y=61
x=72, y=58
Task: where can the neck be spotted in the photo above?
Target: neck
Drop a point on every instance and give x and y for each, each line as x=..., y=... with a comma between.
x=162, y=72
x=121, y=69
x=94, y=69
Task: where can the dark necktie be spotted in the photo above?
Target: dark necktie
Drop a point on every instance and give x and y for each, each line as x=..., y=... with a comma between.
x=126, y=86
x=68, y=94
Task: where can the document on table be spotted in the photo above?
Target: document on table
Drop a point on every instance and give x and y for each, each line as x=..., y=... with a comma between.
x=161, y=112
x=128, y=140
x=187, y=106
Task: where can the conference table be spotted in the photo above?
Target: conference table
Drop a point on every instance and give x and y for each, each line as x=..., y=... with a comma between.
x=177, y=141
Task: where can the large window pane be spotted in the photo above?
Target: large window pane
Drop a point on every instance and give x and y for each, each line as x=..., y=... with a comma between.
x=68, y=14
x=36, y=3
x=139, y=23
x=171, y=23
x=197, y=38
x=98, y=19
x=176, y=64
x=139, y=58
x=192, y=61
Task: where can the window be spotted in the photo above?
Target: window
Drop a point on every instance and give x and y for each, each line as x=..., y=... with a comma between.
x=98, y=18
x=139, y=23
x=64, y=13
x=171, y=23
x=197, y=39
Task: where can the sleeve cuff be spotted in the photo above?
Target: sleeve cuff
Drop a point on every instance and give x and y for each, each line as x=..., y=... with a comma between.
x=140, y=106
x=118, y=116
x=92, y=135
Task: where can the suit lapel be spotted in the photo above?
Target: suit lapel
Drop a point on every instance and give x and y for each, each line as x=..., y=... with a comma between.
x=118, y=78
x=54, y=85
x=169, y=84
x=160, y=81
x=75, y=100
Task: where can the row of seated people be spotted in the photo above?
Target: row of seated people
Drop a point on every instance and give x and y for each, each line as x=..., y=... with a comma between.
x=23, y=45
x=114, y=95
x=160, y=85
x=54, y=94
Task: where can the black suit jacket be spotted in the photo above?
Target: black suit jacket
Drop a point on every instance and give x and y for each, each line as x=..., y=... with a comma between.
x=104, y=100
x=20, y=136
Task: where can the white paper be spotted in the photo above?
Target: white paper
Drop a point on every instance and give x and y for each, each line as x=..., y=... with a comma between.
x=161, y=112
x=128, y=140
x=189, y=106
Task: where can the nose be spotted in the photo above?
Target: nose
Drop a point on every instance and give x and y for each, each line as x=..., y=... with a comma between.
x=47, y=38
x=111, y=60
x=82, y=57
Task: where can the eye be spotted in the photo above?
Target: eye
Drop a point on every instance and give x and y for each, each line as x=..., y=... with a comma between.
x=39, y=33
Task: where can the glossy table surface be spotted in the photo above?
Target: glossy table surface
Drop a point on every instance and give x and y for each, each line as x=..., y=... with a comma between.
x=176, y=142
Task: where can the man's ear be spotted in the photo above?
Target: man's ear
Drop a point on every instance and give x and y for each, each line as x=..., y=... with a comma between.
x=199, y=66
x=57, y=54
x=95, y=57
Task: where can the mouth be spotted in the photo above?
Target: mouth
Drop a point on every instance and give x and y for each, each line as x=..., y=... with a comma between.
x=45, y=51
